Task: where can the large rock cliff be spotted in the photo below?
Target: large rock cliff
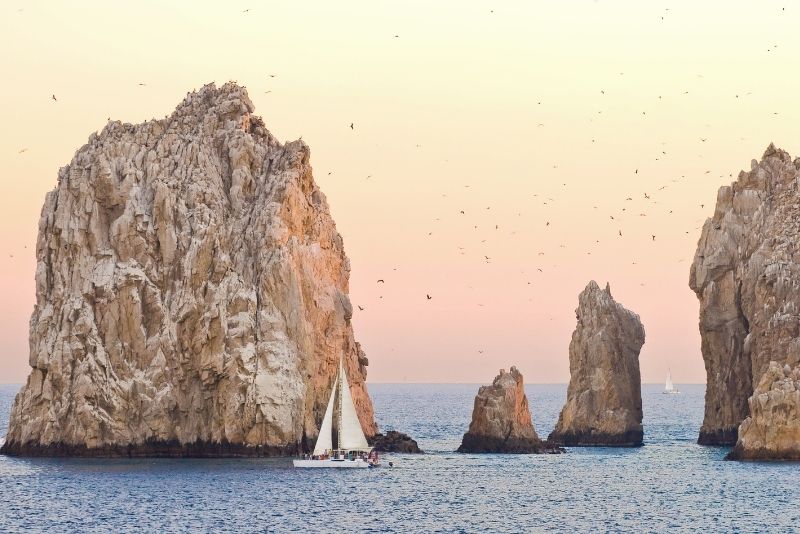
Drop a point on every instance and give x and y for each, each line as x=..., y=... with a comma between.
x=501, y=419
x=604, y=397
x=772, y=430
x=745, y=274
x=191, y=294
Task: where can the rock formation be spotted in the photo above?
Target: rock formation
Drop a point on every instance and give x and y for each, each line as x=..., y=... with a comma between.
x=191, y=294
x=745, y=274
x=501, y=419
x=772, y=430
x=394, y=441
x=604, y=398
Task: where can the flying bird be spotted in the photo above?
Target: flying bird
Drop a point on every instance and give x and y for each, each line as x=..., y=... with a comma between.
x=429, y=297
x=351, y=125
x=360, y=308
x=54, y=98
x=380, y=281
x=23, y=150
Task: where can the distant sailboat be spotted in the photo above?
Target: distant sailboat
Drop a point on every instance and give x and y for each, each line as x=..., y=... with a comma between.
x=668, y=386
x=353, y=449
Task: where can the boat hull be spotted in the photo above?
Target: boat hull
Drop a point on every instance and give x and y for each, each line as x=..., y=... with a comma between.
x=330, y=463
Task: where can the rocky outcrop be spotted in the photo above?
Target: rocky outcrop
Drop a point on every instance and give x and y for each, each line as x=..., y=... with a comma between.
x=191, y=294
x=394, y=441
x=772, y=430
x=604, y=398
x=745, y=274
x=501, y=419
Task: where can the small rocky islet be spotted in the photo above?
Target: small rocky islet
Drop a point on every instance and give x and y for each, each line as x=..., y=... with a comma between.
x=501, y=420
x=192, y=300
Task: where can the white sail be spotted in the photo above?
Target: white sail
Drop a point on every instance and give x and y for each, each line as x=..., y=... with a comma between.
x=351, y=436
x=325, y=439
x=668, y=386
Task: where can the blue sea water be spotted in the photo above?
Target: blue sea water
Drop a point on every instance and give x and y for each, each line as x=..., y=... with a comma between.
x=670, y=484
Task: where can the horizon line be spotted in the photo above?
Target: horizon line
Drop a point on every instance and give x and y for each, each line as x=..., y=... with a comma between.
x=459, y=383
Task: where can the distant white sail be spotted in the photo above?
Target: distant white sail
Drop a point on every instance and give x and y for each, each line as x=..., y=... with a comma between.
x=351, y=436
x=325, y=439
x=668, y=386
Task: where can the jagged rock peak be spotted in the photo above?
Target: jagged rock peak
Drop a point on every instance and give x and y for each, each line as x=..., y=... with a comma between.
x=744, y=274
x=191, y=294
x=501, y=419
x=772, y=429
x=604, y=400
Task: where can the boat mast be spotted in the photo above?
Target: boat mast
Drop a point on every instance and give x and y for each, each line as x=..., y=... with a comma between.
x=339, y=416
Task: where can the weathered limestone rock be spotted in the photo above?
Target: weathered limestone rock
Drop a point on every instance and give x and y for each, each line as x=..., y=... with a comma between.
x=501, y=419
x=745, y=274
x=772, y=430
x=394, y=441
x=191, y=294
x=604, y=398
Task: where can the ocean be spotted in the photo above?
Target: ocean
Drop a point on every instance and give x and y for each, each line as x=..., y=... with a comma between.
x=671, y=484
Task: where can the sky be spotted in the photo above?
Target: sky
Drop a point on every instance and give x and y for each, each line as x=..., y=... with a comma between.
x=519, y=114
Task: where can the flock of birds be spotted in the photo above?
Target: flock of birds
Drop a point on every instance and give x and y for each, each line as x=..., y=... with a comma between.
x=616, y=218
x=547, y=224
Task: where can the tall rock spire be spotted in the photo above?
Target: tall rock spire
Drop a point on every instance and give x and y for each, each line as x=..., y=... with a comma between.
x=604, y=397
x=191, y=294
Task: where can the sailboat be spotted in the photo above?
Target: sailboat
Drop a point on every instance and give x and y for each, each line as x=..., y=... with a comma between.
x=352, y=447
x=668, y=386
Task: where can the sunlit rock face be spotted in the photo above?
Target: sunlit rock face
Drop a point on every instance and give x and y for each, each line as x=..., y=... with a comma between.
x=604, y=397
x=771, y=431
x=745, y=274
x=191, y=294
x=501, y=419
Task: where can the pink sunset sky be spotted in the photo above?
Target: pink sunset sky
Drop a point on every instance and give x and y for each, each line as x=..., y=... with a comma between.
x=519, y=114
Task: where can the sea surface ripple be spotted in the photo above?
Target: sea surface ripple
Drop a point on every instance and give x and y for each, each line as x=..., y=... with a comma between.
x=670, y=484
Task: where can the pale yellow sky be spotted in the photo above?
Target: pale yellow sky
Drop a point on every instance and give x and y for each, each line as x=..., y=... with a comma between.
x=518, y=113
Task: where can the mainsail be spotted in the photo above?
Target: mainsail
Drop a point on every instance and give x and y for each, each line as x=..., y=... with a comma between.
x=325, y=439
x=668, y=386
x=351, y=436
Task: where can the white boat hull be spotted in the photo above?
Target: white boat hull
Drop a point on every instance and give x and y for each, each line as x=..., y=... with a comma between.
x=357, y=463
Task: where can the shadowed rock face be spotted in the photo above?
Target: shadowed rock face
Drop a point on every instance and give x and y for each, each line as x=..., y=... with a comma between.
x=191, y=294
x=604, y=398
x=501, y=419
x=745, y=274
x=772, y=430
x=394, y=441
